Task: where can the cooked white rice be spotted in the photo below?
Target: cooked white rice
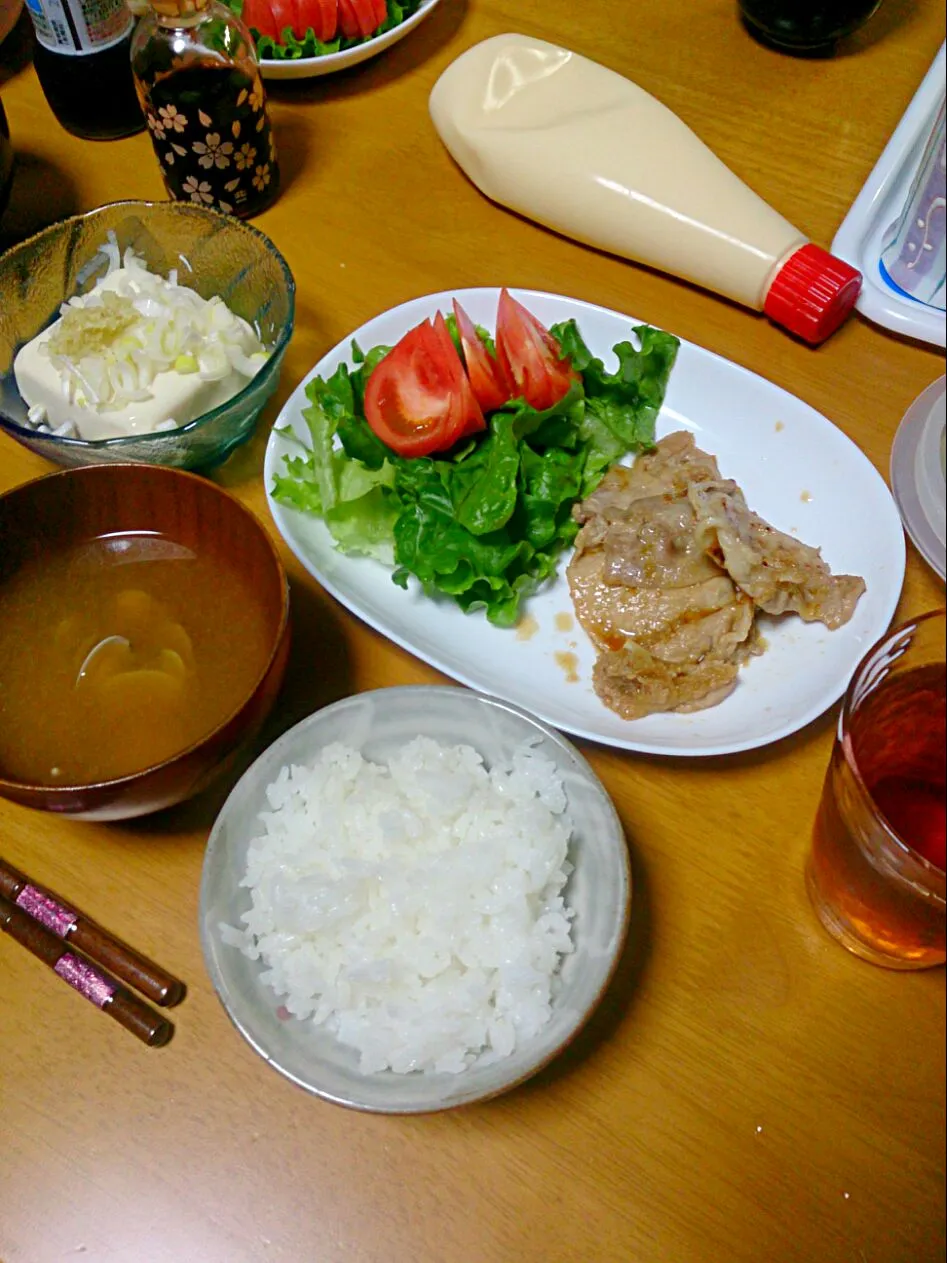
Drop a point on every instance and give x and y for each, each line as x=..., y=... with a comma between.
x=414, y=909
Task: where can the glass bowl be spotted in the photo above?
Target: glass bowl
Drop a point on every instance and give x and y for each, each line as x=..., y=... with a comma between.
x=379, y=723
x=214, y=254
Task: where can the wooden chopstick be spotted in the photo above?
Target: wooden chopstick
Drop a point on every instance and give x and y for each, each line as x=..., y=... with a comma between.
x=85, y=934
x=95, y=984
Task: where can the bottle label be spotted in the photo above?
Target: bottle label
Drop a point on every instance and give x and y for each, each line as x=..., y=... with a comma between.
x=79, y=26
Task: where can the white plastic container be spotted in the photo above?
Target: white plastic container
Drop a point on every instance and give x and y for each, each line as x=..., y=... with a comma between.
x=577, y=147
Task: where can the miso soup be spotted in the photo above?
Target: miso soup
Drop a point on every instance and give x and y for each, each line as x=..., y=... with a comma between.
x=118, y=654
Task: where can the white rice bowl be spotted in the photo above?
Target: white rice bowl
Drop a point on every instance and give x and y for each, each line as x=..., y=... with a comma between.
x=414, y=899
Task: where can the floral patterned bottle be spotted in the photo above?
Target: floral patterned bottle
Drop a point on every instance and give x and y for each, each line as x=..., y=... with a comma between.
x=201, y=92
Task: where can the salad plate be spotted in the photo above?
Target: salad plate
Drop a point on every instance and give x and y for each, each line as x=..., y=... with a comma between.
x=329, y=63
x=797, y=470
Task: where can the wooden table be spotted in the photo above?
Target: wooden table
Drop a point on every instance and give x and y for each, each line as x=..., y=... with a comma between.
x=748, y=1091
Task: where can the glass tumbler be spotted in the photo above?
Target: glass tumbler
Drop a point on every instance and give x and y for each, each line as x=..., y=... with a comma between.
x=875, y=872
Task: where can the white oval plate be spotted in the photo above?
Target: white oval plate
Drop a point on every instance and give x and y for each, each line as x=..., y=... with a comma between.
x=797, y=470
x=310, y=67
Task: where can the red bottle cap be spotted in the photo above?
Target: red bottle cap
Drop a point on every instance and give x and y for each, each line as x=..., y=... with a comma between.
x=812, y=293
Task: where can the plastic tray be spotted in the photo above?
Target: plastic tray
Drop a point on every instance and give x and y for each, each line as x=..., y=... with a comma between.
x=884, y=194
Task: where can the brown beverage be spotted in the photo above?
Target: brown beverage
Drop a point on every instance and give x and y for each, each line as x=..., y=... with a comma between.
x=876, y=871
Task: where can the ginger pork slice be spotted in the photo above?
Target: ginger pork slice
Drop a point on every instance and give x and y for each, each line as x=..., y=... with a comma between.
x=671, y=626
x=780, y=573
x=669, y=569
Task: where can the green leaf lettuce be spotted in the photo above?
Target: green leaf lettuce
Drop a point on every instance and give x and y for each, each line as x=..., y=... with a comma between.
x=486, y=523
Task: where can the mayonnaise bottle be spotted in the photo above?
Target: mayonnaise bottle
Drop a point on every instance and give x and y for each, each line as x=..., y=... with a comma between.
x=567, y=142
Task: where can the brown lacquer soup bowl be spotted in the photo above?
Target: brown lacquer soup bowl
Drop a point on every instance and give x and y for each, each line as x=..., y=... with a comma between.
x=144, y=635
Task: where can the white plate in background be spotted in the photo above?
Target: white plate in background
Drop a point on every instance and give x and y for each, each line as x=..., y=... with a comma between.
x=917, y=475
x=796, y=469
x=311, y=67
x=860, y=239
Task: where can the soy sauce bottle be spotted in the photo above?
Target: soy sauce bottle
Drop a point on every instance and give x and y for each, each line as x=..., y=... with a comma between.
x=81, y=58
x=199, y=84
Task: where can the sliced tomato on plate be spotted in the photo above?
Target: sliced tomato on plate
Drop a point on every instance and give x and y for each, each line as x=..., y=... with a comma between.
x=348, y=19
x=380, y=8
x=357, y=18
x=258, y=14
x=530, y=358
x=472, y=418
x=486, y=377
x=285, y=14
x=368, y=19
x=322, y=16
x=417, y=399
x=423, y=397
x=272, y=17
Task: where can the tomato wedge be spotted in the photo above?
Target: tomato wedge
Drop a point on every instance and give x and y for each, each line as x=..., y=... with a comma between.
x=322, y=16
x=486, y=378
x=357, y=18
x=348, y=19
x=472, y=419
x=272, y=17
x=418, y=399
x=285, y=14
x=368, y=19
x=529, y=356
x=424, y=398
x=259, y=15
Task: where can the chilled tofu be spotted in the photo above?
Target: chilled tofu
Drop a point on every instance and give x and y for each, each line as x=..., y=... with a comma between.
x=137, y=354
x=175, y=397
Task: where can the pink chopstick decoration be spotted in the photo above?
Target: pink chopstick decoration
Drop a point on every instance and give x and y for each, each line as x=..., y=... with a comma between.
x=47, y=911
x=86, y=980
x=88, y=938
x=96, y=964
x=90, y=981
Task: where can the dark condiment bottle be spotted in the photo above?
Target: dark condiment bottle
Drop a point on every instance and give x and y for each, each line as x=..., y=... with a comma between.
x=806, y=27
x=201, y=91
x=81, y=57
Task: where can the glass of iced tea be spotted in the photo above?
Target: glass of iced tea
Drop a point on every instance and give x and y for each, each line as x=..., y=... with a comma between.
x=875, y=873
